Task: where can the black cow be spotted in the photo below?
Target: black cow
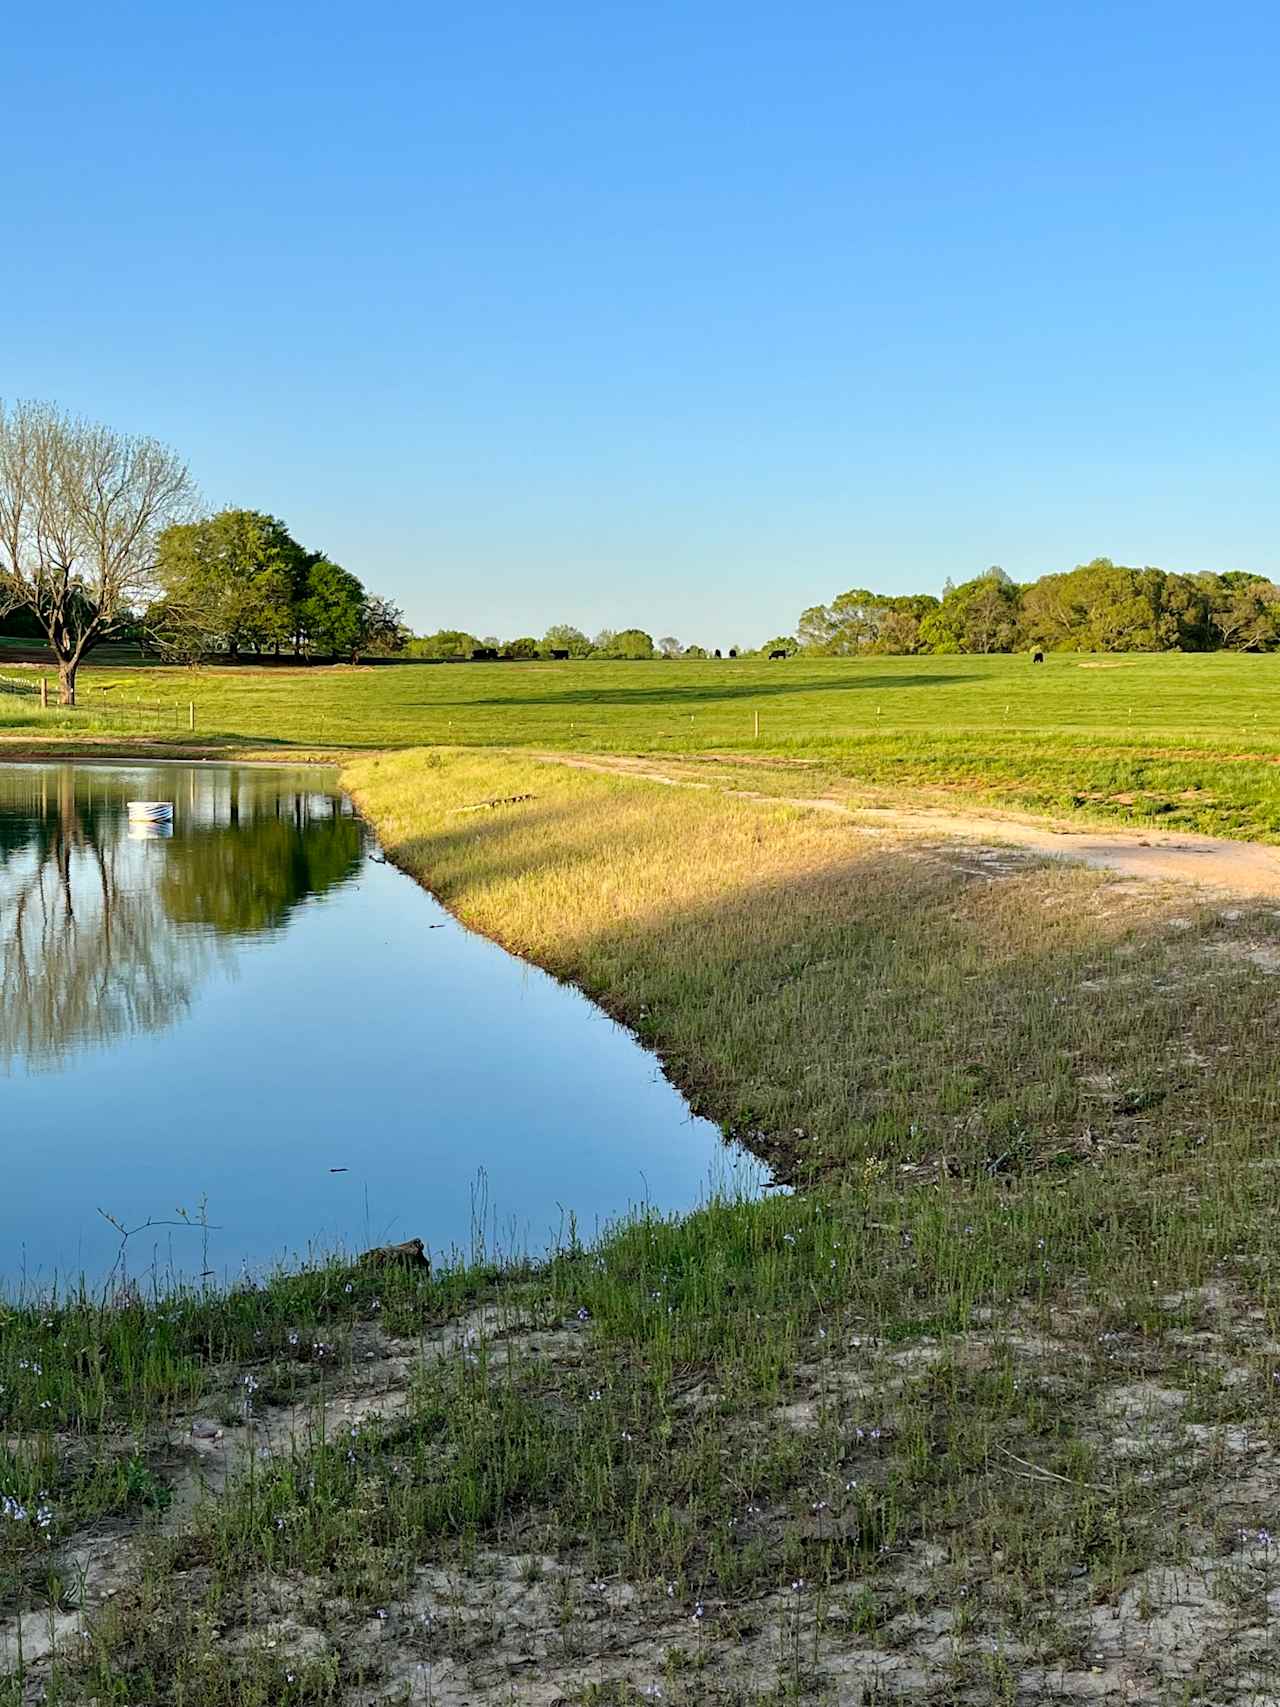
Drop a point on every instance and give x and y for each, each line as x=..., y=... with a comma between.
x=733, y=651
x=717, y=651
x=1037, y=657
x=778, y=653
x=559, y=652
x=483, y=654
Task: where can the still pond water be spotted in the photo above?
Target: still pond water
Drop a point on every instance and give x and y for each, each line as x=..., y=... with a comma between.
x=258, y=1014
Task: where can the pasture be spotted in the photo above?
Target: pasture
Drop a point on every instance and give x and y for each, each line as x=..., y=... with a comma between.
x=1185, y=740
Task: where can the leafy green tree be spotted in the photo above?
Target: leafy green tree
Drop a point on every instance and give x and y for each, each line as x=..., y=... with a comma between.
x=980, y=616
x=862, y=621
x=1184, y=610
x=21, y=624
x=629, y=643
x=524, y=648
x=329, y=613
x=695, y=652
x=784, y=643
x=564, y=637
x=445, y=643
x=1055, y=612
x=670, y=647
x=232, y=578
x=1244, y=612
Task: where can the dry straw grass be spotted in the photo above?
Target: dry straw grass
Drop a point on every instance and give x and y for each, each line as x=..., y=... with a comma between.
x=935, y=1006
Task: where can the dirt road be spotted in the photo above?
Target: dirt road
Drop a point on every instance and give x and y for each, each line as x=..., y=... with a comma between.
x=1242, y=869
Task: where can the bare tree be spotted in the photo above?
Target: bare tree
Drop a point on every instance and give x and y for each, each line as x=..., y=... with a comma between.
x=81, y=507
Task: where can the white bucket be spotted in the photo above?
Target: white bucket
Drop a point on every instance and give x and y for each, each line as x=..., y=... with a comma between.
x=150, y=812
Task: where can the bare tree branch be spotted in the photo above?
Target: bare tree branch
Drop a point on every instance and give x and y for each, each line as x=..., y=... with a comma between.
x=81, y=508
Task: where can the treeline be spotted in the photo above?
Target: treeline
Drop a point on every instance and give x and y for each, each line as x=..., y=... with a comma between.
x=226, y=585
x=562, y=640
x=1099, y=606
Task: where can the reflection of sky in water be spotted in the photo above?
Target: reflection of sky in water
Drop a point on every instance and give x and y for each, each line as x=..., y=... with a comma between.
x=254, y=1013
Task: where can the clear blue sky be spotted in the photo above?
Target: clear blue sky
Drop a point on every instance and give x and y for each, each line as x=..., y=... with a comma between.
x=685, y=315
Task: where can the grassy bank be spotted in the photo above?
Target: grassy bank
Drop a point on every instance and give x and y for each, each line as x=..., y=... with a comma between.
x=1173, y=739
x=891, y=1445
x=988, y=1412
x=830, y=995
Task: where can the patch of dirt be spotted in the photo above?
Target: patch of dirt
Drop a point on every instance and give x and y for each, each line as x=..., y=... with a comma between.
x=1264, y=955
x=1245, y=869
x=204, y=1456
x=928, y=1620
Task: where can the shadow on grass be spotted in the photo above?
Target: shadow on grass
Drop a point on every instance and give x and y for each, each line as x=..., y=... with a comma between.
x=880, y=1002
x=708, y=693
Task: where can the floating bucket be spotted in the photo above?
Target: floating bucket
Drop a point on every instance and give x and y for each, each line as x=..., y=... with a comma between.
x=150, y=812
x=149, y=830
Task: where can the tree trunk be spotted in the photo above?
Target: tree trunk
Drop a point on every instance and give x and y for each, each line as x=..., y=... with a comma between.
x=67, y=681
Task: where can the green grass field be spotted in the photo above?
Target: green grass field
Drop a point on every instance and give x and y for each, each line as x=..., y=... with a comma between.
x=1192, y=741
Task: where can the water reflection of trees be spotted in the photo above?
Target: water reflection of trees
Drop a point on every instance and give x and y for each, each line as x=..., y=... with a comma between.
x=284, y=848
x=102, y=936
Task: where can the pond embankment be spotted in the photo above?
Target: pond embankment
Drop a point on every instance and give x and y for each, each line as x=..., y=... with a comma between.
x=989, y=1412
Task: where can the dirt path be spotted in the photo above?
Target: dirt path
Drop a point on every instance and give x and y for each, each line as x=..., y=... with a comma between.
x=1242, y=869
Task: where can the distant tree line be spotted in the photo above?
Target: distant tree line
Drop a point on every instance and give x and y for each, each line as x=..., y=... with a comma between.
x=1099, y=606
x=562, y=640
x=102, y=538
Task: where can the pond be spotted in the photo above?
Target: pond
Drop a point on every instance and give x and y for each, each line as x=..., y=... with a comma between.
x=252, y=1032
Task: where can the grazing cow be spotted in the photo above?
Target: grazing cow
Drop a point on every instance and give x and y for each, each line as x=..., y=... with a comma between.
x=559, y=652
x=483, y=654
x=733, y=651
x=777, y=653
x=1037, y=657
x=717, y=651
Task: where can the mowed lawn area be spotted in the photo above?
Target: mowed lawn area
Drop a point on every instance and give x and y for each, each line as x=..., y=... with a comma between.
x=1189, y=741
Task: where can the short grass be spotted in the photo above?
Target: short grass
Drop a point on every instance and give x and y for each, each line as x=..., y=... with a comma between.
x=1182, y=740
x=887, y=1444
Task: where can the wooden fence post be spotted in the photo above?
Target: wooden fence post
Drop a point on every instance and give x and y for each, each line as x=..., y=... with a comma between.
x=44, y=694
x=191, y=717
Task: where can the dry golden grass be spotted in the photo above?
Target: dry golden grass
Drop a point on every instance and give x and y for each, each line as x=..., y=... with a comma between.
x=832, y=995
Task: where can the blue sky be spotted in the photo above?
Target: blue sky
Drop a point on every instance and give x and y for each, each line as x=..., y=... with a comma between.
x=685, y=315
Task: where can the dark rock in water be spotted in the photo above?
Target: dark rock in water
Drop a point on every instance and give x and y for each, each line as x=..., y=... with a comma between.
x=408, y=1255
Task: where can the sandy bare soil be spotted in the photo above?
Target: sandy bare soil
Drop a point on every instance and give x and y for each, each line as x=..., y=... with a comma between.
x=1241, y=869
x=1198, y=1627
